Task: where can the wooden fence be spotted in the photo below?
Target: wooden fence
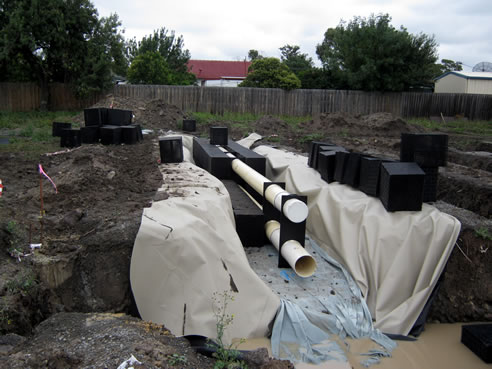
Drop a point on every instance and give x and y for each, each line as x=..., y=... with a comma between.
x=27, y=97
x=311, y=102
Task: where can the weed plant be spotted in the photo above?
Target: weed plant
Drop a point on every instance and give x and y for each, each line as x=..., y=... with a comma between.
x=226, y=355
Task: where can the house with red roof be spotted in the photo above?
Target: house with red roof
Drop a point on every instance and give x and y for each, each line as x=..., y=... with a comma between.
x=219, y=72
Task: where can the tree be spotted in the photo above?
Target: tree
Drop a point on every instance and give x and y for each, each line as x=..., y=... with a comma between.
x=58, y=41
x=296, y=61
x=149, y=68
x=171, y=48
x=370, y=54
x=254, y=54
x=447, y=65
x=270, y=73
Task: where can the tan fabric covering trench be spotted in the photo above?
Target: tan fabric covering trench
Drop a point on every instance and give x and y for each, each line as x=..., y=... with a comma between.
x=187, y=249
x=395, y=258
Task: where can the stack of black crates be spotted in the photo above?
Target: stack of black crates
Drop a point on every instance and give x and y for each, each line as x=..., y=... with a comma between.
x=400, y=185
x=108, y=126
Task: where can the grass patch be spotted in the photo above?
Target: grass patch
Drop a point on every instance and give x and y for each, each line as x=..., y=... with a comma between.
x=475, y=127
x=31, y=132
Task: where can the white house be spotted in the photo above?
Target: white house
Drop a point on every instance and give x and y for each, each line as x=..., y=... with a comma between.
x=464, y=83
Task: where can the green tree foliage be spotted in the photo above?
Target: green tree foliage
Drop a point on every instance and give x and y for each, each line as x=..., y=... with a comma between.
x=254, y=54
x=149, y=68
x=447, y=65
x=270, y=73
x=370, y=54
x=58, y=41
x=296, y=61
x=171, y=48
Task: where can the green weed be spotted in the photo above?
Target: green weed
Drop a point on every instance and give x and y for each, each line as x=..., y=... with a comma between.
x=311, y=137
x=24, y=284
x=484, y=233
x=227, y=356
x=176, y=359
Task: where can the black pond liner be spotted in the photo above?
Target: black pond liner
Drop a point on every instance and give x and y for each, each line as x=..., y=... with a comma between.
x=401, y=186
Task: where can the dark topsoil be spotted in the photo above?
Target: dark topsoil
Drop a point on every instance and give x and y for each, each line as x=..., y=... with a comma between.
x=90, y=225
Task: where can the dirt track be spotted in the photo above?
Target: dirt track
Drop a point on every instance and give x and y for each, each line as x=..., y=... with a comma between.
x=90, y=225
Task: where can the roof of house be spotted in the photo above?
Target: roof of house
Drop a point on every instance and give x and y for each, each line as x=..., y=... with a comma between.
x=468, y=75
x=218, y=69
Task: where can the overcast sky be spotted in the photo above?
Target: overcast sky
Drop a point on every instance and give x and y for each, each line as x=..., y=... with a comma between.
x=227, y=30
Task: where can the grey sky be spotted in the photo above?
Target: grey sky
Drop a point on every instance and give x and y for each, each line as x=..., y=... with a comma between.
x=226, y=30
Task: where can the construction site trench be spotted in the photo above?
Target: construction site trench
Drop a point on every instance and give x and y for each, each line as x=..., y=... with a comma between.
x=90, y=224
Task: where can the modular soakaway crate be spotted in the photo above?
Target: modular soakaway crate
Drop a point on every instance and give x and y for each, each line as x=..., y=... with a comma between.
x=171, y=149
x=478, y=338
x=57, y=127
x=95, y=116
x=341, y=162
x=370, y=171
x=189, y=125
x=351, y=174
x=110, y=135
x=430, y=183
x=70, y=137
x=401, y=186
x=89, y=134
x=425, y=149
x=119, y=117
x=219, y=135
x=313, y=152
x=129, y=134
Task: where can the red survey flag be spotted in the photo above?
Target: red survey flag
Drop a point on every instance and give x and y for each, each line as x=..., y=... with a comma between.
x=1, y=188
x=41, y=171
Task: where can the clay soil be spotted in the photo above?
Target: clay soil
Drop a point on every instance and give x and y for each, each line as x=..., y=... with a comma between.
x=89, y=227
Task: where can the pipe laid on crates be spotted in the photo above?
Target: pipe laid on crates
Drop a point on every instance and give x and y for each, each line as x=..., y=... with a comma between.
x=292, y=251
x=294, y=209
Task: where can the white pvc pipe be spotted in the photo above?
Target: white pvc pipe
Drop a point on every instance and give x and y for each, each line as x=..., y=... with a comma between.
x=294, y=209
x=292, y=251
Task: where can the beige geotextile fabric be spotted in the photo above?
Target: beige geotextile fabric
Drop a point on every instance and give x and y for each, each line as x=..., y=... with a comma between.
x=395, y=258
x=186, y=249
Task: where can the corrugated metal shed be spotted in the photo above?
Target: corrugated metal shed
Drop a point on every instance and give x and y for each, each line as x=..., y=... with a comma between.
x=464, y=82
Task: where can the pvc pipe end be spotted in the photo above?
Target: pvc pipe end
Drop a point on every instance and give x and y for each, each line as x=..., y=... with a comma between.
x=305, y=266
x=295, y=210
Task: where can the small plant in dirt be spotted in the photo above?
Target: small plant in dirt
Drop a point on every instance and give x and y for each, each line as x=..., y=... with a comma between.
x=226, y=355
x=311, y=137
x=24, y=284
x=176, y=359
x=483, y=233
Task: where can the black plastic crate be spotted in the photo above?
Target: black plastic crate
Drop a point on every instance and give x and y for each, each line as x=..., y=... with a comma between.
x=139, y=131
x=171, y=149
x=401, y=186
x=478, y=338
x=95, y=116
x=313, y=152
x=119, y=117
x=57, y=127
x=110, y=135
x=426, y=149
x=370, y=168
x=89, y=134
x=351, y=174
x=219, y=135
x=189, y=125
x=326, y=165
x=430, y=183
x=70, y=137
x=129, y=135
x=340, y=165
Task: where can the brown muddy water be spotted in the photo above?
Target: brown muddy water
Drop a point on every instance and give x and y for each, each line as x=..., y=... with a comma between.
x=438, y=347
